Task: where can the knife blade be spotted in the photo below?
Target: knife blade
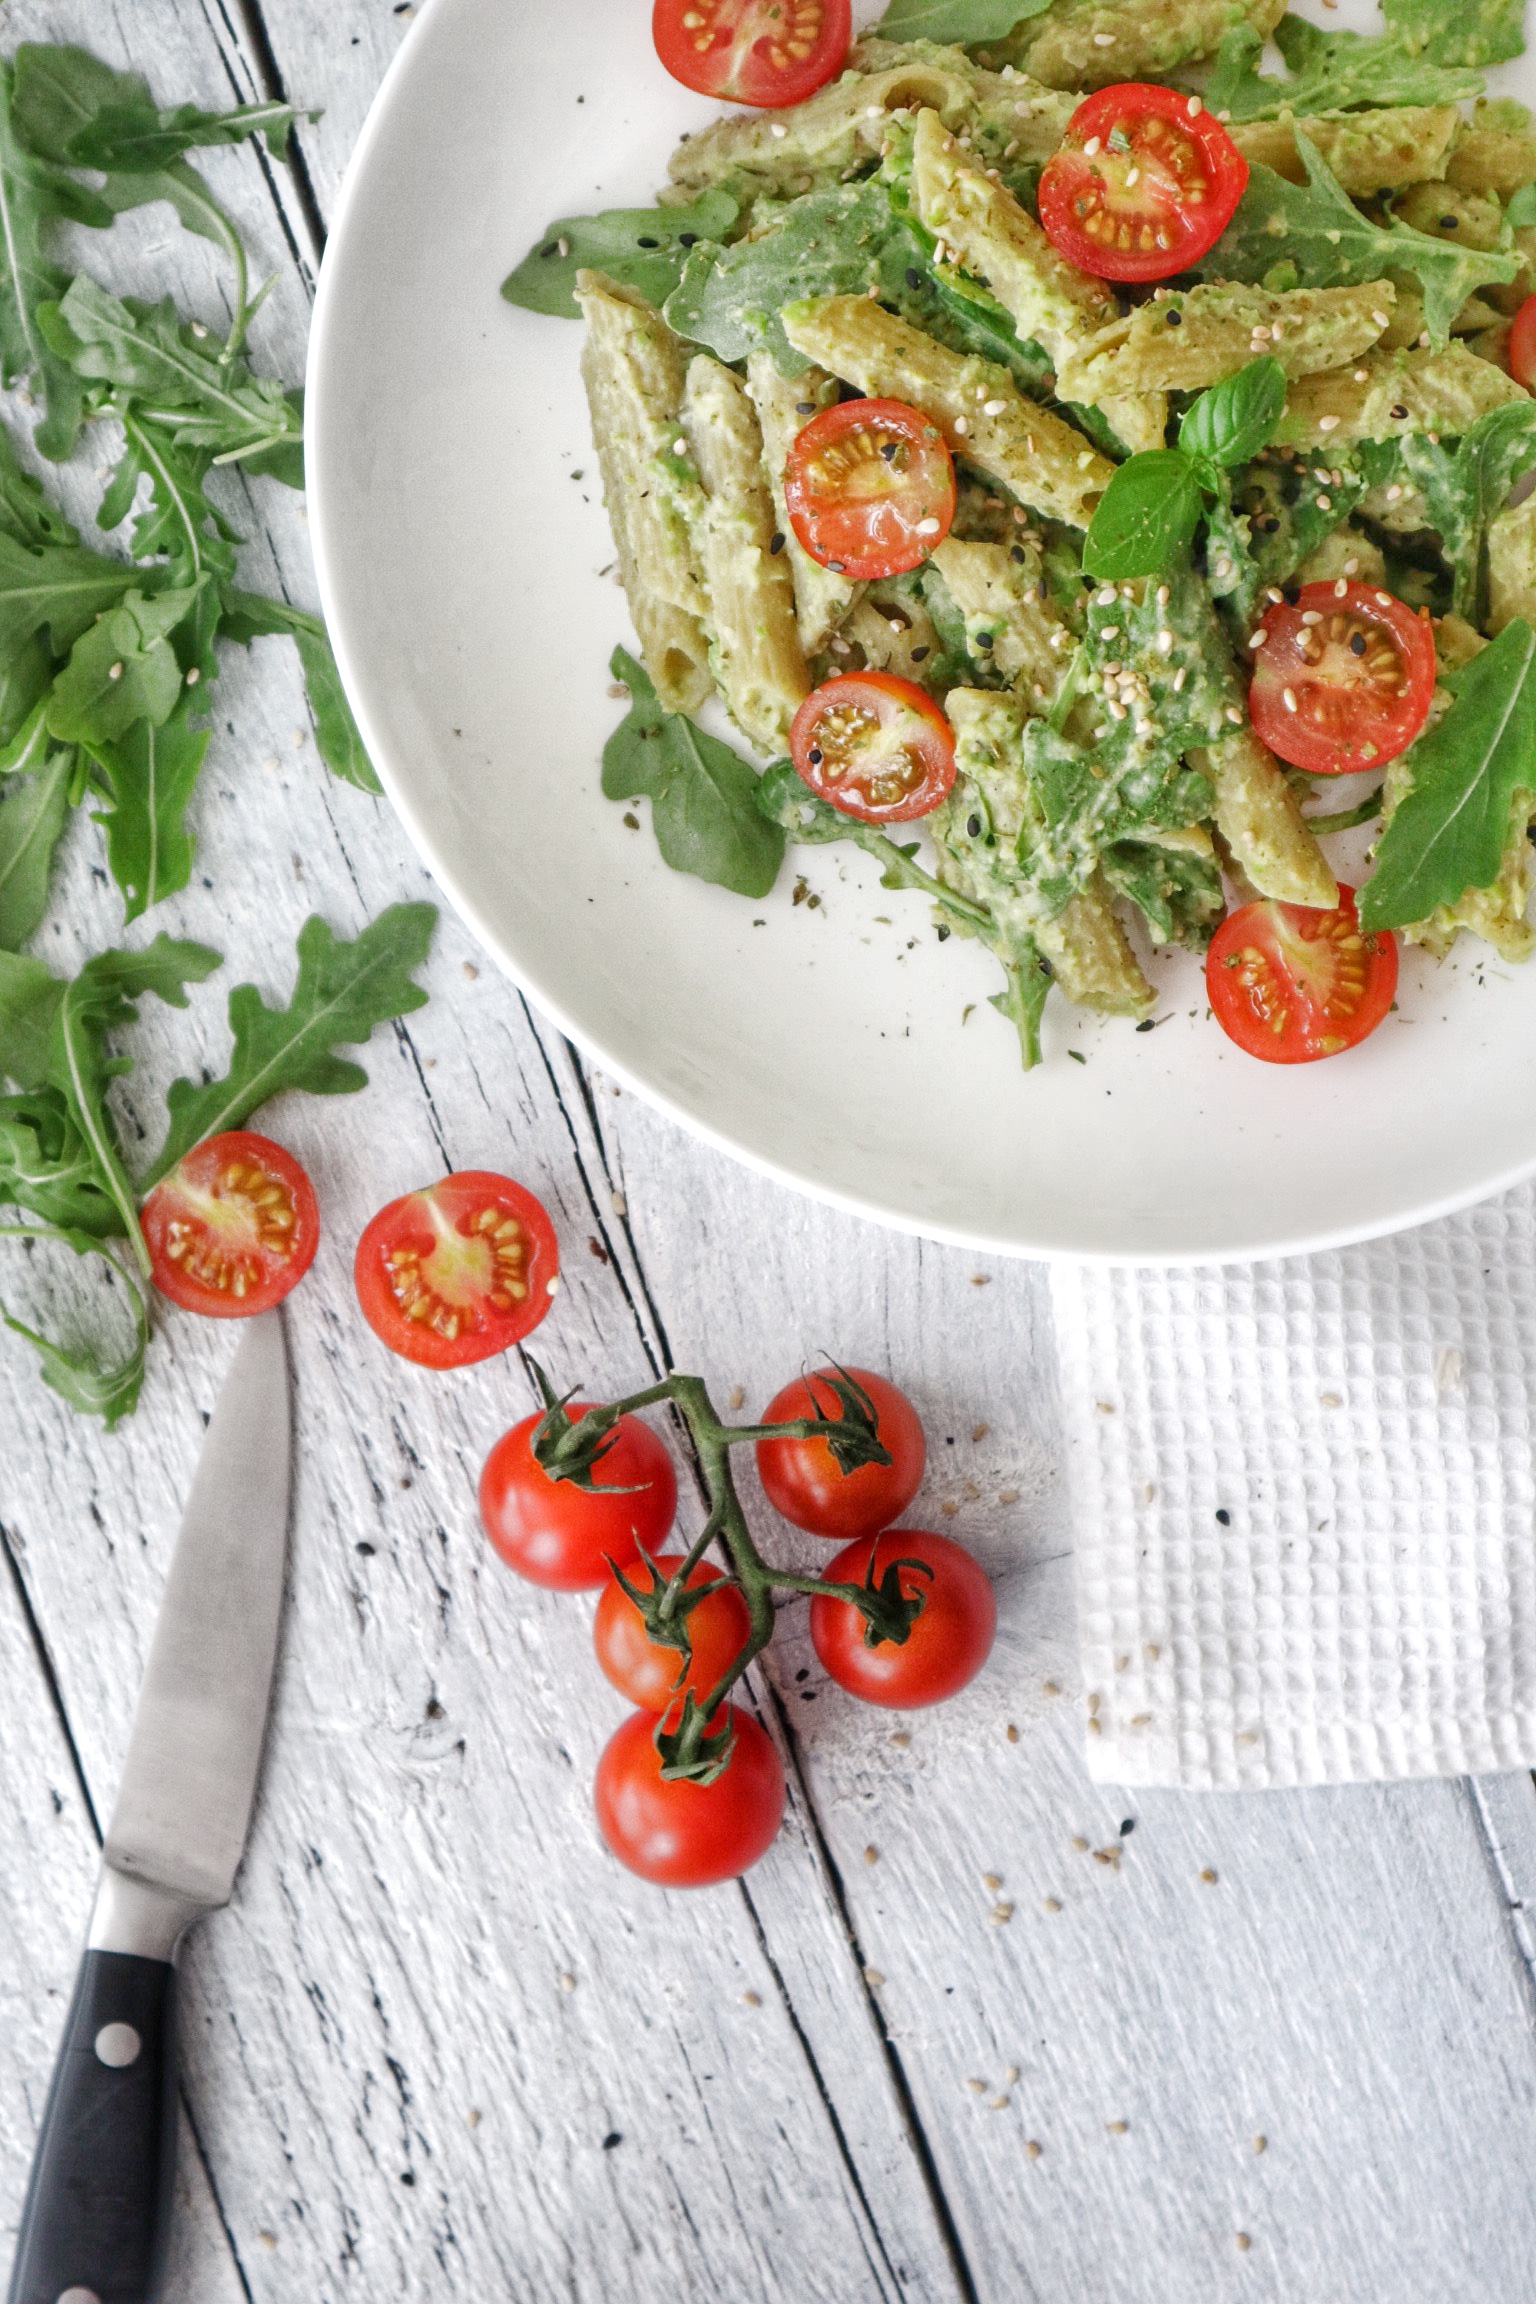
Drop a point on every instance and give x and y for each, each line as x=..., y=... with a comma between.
x=95, y=2224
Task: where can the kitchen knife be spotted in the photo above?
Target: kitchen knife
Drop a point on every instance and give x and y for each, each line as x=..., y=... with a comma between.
x=95, y=2223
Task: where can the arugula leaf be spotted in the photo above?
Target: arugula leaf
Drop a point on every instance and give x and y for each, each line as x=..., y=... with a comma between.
x=148, y=776
x=1329, y=72
x=204, y=397
x=249, y=616
x=785, y=799
x=30, y=996
x=122, y=670
x=1235, y=419
x=955, y=23
x=1463, y=486
x=25, y=511
x=702, y=794
x=179, y=522
x=1177, y=891
x=62, y=588
x=343, y=991
x=101, y=1000
x=33, y=806
x=1448, y=832
x=644, y=248
x=47, y=1168
x=1470, y=32
x=1315, y=237
x=1146, y=517
x=32, y=195
x=136, y=139
x=77, y=1372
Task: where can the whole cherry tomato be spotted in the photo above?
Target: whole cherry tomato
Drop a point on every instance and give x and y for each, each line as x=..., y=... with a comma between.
x=803, y=1479
x=688, y=1835
x=946, y=1646
x=645, y=1670
x=563, y=1536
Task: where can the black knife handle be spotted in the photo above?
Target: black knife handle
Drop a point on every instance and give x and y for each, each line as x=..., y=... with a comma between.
x=98, y=2206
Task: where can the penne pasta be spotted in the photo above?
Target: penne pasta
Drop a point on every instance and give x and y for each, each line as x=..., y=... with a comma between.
x=756, y=651
x=1034, y=454
x=1184, y=339
x=1390, y=394
x=785, y=404
x=1259, y=817
x=1087, y=44
x=1369, y=152
x=1009, y=627
x=632, y=366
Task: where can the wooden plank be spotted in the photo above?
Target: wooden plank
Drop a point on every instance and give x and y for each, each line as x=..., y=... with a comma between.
x=1348, y=1985
x=424, y=1875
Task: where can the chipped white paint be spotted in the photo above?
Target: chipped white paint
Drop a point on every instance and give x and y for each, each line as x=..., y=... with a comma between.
x=439, y=2047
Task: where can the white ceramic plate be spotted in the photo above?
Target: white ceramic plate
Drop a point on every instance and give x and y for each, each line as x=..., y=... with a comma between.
x=461, y=542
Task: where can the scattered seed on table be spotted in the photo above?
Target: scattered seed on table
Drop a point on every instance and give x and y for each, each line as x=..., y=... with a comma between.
x=1109, y=1856
x=873, y=1979
x=268, y=2240
x=1011, y=2075
x=472, y=2117
x=999, y=2104
x=981, y=1279
x=1049, y=1904
x=471, y=971
x=620, y=1204
x=949, y=1510
x=1118, y=2127
x=1011, y=1733
x=738, y=1397
x=901, y=1739
x=1000, y=1915
x=1209, y=1877
x=871, y=1854
x=977, y=2087
x=752, y=1999
x=612, y=2140
x=1261, y=2143
x=1033, y=2149
x=1079, y=1843
x=980, y=1431
x=567, y=1981
x=992, y=1880
x=1050, y=1688
x=1244, y=2243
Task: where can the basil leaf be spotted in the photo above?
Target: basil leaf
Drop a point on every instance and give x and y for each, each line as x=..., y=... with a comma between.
x=1464, y=32
x=123, y=669
x=1316, y=230
x=148, y=777
x=77, y=1372
x=1329, y=72
x=33, y=806
x=955, y=23
x=246, y=617
x=1146, y=518
x=1236, y=418
x=343, y=990
x=702, y=794
x=644, y=248
x=1449, y=831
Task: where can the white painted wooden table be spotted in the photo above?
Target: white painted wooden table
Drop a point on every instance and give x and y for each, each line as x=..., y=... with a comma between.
x=440, y=2047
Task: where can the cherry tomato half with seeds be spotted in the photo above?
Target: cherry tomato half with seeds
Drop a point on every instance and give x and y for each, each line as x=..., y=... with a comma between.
x=233, y=1227
x=763, y=52
x=1343, y=678
x=874, y=745
x=1290, y=983
x=803, y=1480
x=1522, y=345
x=688, y=1835
x=563, y=1536
x=647, y=1671
x=947, y=1644
x=870, y=487
x=1143, y=184
x=458, y=1271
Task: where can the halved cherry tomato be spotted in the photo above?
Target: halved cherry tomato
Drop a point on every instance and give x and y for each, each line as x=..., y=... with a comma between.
x=647, y=1672
x=1290, y=983
x=563, y=1536
x=1143, y=184
x=947, y=1644
x=457, y=1271
x=803, y=1479
x=764, y=52
x=870, y=486
x=1342, y=679
x=688, y=1835
x=233, y=1227
x=1522, y=345
x=876, y=746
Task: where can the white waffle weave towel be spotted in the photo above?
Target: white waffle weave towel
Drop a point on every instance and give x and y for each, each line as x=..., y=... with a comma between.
x=1304, y=1496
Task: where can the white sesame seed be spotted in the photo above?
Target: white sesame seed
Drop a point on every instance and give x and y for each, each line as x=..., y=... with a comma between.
x=1085, y=459
x=1164, y=595
x=1110, y=632
x=1385, y=599
x=1261, y=334
x=1165, y=643
x=679, y=447
x=1288, y=699
x=115, y=672
x=994, y=408
x=1092, y=148
x=1194, y=107
x=1103, y=39
x=1325, y=503
x=1310, y=616
x=1179, y=678
x=1351, y=567
x=1394, y=492
x=1340, y=588
x=1362, y=375
x=1274, y=595
x=564, y=247
x=1106, y=598
x=1381, y=319
x=929, y=527
x=778, y=130
x=1328, y=423
x=1132, y=176
x=1232, y=713
x=1256, y=639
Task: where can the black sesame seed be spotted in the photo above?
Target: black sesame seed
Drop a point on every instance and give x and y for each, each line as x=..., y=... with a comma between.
x=816, y=756
x=943, y=935
x=1174, y=318
x=914, y=277
x=1019, y=554
x=890, y=450
x=838, y=567
x=919, y=653
x=1450, y=223
x=1224, y=1516
x=984, y=639
x=1146, y=1025
x=775, y=542
x=973, y=827
x=1291, y=595
x=552, y=250
x=646, y=242
x=1357, y=643
x=1399, y=415
x=612, y=2140
x=805, y=407
x=687, y=239
x=1127, y=1826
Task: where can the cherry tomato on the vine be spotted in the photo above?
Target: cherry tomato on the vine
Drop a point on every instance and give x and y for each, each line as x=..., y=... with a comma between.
x=1522, y=345
x=1342, y=678
x=947, y=1644
x=233, y=1227
x=803, y=1480
x=874, y=745
x=460, y=1270
x=688, y=1835
x=646, y=1671
x=1291, y=983
x=763, y=52
x=870, y=487
x=563, y=1536
x=1143, y=184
